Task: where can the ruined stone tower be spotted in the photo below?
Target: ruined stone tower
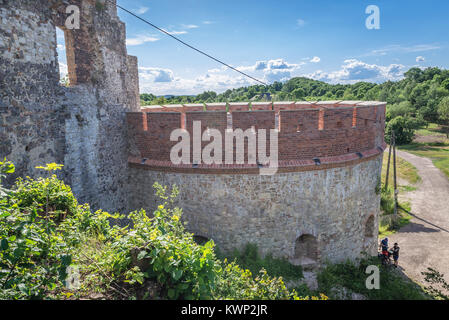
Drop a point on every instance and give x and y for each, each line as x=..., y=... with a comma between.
x=321, y=205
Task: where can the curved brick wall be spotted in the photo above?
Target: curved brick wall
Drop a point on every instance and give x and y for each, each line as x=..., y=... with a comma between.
x=333, y=131
x=334, y=204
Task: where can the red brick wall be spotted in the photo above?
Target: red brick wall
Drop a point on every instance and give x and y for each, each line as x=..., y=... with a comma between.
x=213, y=120
x=155, y=143
x=238, y=106
x=322, y=130
x=261, y=106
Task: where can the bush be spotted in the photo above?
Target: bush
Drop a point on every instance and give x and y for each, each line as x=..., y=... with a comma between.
x=36, y=251
x=404, y=129
x=237, y=283
x=49, y=196
x=33, y=256
x=249, y=258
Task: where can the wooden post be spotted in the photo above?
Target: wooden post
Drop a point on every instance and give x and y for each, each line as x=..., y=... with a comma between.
x=394, y=176
x=388, y=163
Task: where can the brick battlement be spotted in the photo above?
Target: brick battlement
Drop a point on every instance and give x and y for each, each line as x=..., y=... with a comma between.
x=333, y=131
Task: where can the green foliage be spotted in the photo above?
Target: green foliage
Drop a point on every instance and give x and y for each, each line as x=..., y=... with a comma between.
x=443, y=114
x=99, y=5
x=119, y=262
x=249, y=258
x=404, y=129
x=237, y=283
x=349, y=275
x=49, y=196
x=387, y=200
x=403, y=108
x=6, y=167
x=33, y=255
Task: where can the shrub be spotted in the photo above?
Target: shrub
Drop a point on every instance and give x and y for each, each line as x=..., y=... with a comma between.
x=404, y=129
x=237, y=283
x=33, y=256
x=36, y=250
x=49, y=196
x=249, y=258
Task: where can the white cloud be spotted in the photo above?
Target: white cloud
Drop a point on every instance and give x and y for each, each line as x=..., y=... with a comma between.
x=60, y=47
x=300, y=23
x=354, y=70
x=141, y=10
x=315, y=59
x=177, y=32
x=403, y=49
x=420, y=59
x=162, y=81
x=267, y=65
x=152, y=74
x=138, y=40
x=190, y=26
x=208, y=22
x=151, y=82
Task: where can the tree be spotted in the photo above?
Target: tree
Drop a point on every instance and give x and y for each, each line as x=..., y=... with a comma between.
x=299, y=93
x=404, y=129
x=443, y=114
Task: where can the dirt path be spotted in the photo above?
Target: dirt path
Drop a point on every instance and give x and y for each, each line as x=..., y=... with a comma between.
x=424, y=242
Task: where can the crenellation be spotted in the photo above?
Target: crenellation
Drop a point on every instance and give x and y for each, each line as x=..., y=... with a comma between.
x=304, y=133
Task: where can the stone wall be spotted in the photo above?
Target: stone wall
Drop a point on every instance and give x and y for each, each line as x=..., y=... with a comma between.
x=332, y=205
x=82, y=126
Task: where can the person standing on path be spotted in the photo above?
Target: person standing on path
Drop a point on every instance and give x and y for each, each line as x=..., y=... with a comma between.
x=395, y=251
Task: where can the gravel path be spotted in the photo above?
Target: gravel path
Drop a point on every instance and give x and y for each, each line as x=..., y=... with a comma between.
x=424, y=242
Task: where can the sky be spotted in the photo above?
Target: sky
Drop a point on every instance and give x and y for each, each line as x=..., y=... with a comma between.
x=276, y=40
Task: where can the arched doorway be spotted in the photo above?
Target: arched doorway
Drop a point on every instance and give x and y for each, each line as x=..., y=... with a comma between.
x=200, y=239
x=369, y=227
x=306, y=249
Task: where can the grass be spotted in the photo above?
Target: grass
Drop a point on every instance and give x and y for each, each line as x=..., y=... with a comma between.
x=393, y=285
x=403, y=220
x=405, y=170
x=250, y=259
x=438, y=152
x=432, y=129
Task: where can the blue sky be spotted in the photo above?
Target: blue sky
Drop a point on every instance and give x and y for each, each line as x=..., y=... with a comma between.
x=276, y=40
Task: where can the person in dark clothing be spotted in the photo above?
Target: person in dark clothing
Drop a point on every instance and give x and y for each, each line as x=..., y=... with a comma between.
x=384, y=246
x=395, y=251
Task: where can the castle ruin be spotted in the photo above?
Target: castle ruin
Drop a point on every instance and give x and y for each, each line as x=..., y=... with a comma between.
x=321, y=205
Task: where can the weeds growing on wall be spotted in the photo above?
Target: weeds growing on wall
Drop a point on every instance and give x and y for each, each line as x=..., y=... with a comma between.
x=53, y=248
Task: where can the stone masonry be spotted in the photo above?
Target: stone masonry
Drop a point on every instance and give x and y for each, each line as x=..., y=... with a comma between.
x=309, y=212
x=82, y=126
x=322, y=205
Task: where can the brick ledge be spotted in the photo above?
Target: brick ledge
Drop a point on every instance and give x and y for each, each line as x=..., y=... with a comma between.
x=284, y=165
